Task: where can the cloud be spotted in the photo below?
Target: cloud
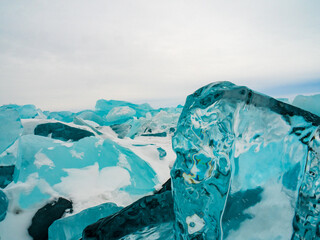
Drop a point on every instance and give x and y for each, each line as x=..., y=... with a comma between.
x=67, y=54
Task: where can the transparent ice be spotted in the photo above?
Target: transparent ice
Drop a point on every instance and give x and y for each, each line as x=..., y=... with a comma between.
x=247, y=168
x=48, y=166
x=25, y=111
x=70, y=228
x=309, y=103
x=10, y=127
x=231, y=140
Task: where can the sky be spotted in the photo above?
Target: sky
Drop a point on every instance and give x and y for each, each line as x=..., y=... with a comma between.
x=65, y=55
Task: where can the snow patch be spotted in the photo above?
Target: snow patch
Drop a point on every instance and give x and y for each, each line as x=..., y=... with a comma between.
x=94, y=183
x=42, y=160
x=76, y=154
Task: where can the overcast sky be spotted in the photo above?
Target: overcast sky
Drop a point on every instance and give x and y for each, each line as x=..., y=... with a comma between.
x=66, y=54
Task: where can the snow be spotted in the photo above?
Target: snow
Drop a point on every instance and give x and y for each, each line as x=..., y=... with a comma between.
x=42, y=160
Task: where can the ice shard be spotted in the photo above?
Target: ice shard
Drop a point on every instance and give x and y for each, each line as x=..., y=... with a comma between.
x=49, y=167
x=91, y=116
x=10, y=127
x=6, y=175
x=61, y=131
x=120, y=114
x=25, y=111
x=46, y=215
x=3, y=205
x=139, y=222
x=156, y=123
x=162, y=153
x=148, y=212
x=64, y=116
x=309, y=103
x=232, y=140
x=106, y=106
x=71, y=227
x=10, y=131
